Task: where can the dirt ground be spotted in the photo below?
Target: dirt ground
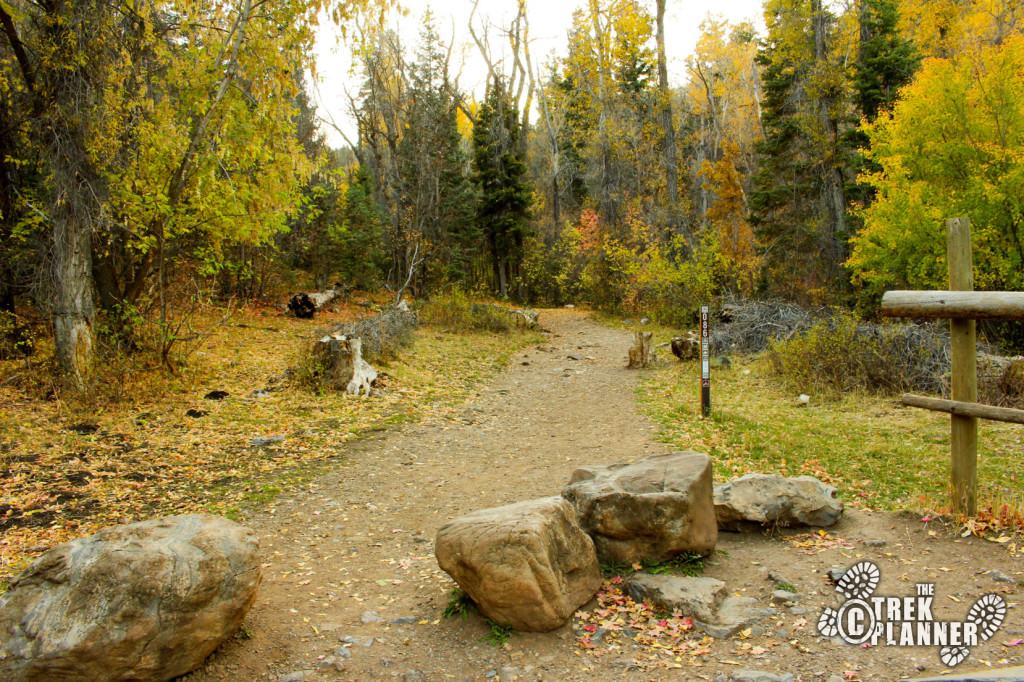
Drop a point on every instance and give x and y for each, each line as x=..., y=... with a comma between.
x=359, y=538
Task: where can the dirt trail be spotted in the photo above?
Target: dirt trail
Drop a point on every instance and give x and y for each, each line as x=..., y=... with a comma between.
x=360, y=539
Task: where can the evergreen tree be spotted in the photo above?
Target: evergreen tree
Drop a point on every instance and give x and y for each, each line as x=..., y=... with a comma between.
x=885, y=63
x=499, y=169
x=359, y=233
x=799, y=200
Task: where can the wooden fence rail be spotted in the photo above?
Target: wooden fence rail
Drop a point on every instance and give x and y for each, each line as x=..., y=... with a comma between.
x=962, y=305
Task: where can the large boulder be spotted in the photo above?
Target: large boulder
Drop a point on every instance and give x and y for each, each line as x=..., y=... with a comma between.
x=754, y=501
x=652, y=509
x=145, y=601
x=526, y=565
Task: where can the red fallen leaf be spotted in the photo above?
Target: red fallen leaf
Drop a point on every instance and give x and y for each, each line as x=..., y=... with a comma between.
x=616, y=580
x=590, y=628
x=686, y=623
x=662, y=623
x=926, y=519
x=1015, y=642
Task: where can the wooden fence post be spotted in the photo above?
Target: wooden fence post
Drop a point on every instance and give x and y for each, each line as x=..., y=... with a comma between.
x=964, y=430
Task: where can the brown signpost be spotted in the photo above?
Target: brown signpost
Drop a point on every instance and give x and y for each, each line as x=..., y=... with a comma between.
x=705, y=361
x=962, y=305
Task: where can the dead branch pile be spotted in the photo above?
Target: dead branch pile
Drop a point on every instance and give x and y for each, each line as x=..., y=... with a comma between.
x=382, y=335
x=749, y=327
x=905, y=357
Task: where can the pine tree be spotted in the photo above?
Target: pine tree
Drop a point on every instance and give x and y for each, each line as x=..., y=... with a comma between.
x=499, y=171
x=885, y=63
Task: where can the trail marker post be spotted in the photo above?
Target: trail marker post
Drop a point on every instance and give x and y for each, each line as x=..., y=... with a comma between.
x=705, y=362
x=962, y=305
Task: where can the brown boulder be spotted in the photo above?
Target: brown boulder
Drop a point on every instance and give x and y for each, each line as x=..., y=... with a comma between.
x=652, y=509
x=145, y=601
x=526, y=565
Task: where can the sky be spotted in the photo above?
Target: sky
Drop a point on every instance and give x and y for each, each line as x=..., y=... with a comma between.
x=549, y=24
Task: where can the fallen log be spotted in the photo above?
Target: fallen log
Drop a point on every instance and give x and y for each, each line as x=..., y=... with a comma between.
x=642, y=352
x=339, y=360
x=306, y=305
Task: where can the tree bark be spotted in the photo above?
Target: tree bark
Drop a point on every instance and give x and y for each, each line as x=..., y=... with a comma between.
x=833, y=190
x=306, y=305
x=671, y=163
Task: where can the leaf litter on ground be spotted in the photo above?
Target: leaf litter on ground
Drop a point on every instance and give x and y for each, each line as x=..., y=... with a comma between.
x=143, y=456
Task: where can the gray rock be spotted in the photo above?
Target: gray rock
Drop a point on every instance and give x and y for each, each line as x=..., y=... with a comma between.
x=370, y=617
x=759, y=676
x=404, y=620
x=331, y=664
x=698, y=598
x=874, y=543
x=1001, y=577
x=262, y=441
x=779, y=578
x=491, y=674
x=296, y=676
x=756, y=500
x=645, y=320
x=651, y=509
x=1015, y=674
x=782, y=597
x=834, y=574
x=573, y=357
x=365, y=641
x=143, y=601
x=342, y=652
x=508, y=673
x=733, y=615
x=527, y=565
x=796, y=611
x=413, y=676
x=259, y=394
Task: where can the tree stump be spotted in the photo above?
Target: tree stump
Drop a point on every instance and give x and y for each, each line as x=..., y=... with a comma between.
x=341, y=363
x=642, y=352
x=687, y=346
x=305, y=305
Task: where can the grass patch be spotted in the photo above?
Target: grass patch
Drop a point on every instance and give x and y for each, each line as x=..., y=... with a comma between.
x=877, y=453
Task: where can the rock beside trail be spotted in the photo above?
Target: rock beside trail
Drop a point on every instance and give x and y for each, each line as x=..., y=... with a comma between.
x=756, y=500
x=652, y=509
x=698, y=598
x=706, y=600
x=144, y=601
x=526, y=565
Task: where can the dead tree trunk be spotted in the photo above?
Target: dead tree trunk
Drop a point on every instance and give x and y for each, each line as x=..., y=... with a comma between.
x=642, y=353
x=340, y=361
x=306, y=305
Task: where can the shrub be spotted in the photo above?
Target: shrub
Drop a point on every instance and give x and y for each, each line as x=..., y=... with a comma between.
x=455, y=311
x=838, y=354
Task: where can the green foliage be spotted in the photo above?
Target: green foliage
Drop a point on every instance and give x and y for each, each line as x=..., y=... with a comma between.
x=838, y=355
x=16, y=337
x=459, y=604
x=684, y=563
x=504, y=197
x=499, y=634
x=455, y=311
x=953, y=147
x=885, y=62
